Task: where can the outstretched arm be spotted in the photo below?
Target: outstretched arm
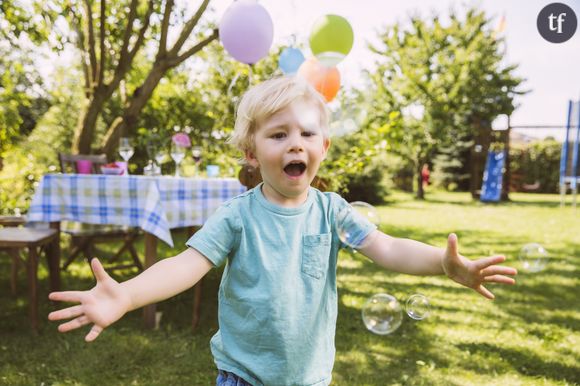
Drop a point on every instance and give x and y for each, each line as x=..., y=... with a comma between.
x=416, y=258
x=109, y=300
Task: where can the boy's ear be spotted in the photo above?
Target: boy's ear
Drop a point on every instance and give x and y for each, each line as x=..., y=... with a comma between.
x=325, y=147
x=251, y=158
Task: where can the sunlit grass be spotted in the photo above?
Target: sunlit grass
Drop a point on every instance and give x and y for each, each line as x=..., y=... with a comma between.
x=530, y=335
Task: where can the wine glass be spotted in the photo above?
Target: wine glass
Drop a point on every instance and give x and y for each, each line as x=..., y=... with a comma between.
x=159, y=157
x=177, y=153
x=152, y=168
x=126, y=151
x=196, y=154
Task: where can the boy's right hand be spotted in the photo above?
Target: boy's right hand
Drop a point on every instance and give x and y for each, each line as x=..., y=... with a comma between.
x=102, y=305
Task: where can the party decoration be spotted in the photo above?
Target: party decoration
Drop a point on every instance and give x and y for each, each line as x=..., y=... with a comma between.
x=246, y=31
x=324, y=79
x=290, y=60
x=181, y=139
x=331, y=39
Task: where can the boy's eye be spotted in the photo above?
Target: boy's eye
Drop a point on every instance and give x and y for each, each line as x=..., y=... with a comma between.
x=308, y=133
x=278, y=135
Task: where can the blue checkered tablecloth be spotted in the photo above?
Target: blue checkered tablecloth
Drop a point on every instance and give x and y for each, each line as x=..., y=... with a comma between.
x=154, y=204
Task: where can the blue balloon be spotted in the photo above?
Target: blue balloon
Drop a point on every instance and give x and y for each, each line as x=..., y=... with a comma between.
x=290, y=60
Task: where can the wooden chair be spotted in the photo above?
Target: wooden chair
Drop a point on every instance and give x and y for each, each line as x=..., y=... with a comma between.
x=13, y=240
x=84, y=237
x=68, y=162
x=13, y=221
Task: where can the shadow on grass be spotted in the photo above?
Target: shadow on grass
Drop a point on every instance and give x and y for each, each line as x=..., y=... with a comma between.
x=527, y=363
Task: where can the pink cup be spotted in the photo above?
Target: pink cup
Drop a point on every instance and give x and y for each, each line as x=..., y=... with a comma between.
x=84, y=166
x=123, y=165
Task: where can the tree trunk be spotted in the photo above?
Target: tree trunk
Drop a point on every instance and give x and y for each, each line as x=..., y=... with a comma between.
x=478, y=157
x=124, y=125
x=507, y=177
x=87, y=122
x=420, y=192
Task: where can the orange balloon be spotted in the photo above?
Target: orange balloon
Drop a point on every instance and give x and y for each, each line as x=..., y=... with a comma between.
x=326, y=80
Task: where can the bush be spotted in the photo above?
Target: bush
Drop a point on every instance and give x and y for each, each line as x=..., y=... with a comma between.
x=26, y=162
x=372, y=184
x=536, y=163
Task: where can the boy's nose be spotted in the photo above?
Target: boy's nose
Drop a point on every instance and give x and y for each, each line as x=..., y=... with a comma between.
x=296, y=144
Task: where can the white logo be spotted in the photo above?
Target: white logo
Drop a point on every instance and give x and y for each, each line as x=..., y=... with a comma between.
x=560, y=20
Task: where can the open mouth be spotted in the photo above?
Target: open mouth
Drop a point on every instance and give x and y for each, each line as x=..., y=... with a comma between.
x=295, y=168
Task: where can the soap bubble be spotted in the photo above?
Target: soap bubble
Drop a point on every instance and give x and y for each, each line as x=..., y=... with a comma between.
x=533, y=257
x=345, y=119
x=349, y=220
x=418, y=307
x=382, y=314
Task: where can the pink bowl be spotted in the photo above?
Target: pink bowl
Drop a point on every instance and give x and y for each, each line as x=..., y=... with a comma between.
x=112, y=171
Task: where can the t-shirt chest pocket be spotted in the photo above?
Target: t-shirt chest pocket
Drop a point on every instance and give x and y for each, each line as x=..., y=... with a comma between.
x=315, y=254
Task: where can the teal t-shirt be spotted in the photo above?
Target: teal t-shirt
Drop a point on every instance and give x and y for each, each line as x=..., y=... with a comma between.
x=277, y=297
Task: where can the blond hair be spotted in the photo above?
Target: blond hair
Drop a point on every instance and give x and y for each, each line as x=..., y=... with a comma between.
x=266, y=99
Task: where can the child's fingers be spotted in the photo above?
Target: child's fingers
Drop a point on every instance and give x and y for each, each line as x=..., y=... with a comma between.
x=93, y=334
x=487, y=261
x=499, y=279
x=452, y=246
x=74, y=324
x=98, y=270
x=485, y=292
x=66, y=296
x=66, y=313
x=499, y=270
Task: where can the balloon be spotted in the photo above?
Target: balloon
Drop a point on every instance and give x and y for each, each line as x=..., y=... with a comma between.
x=324, y=79
x=246, y=31
x=290, y=60
x=331, y=39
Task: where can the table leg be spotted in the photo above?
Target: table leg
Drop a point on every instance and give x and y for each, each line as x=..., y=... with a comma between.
x=53, y=255
x=150, y=259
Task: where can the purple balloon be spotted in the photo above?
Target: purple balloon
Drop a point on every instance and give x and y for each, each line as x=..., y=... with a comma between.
x=246, y=31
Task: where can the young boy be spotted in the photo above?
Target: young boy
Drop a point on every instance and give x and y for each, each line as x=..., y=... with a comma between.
x=278, y=296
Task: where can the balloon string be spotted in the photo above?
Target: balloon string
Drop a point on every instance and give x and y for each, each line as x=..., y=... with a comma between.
x=233, y=82
x=250, y=75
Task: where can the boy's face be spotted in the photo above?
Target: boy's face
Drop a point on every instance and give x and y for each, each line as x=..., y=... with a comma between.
x=289, y=147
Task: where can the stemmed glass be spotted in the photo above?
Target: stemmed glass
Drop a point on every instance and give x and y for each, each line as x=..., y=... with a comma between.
x=152, y=168
x=126, y=151
x=196, y=154
x=177, y=153
x=159, y=157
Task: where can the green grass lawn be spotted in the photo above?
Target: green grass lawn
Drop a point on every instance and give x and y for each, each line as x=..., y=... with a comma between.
x=530, y=335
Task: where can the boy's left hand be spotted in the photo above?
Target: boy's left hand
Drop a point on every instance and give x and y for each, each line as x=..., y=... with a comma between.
x=474, y=274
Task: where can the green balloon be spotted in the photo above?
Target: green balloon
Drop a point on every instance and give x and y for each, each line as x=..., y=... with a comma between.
x=331, y=33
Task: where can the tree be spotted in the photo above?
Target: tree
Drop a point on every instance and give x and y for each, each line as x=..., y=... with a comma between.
x=22, y=96
x=108, y=36
x=448, y=81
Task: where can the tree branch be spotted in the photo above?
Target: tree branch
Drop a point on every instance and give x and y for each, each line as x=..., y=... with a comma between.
x=100, y=78
x=164, y=29
x=142, y=31
x=91, y=41
x=127, y=35
x=175, y=61
x=81, y=46
x=127, y=57
x=187, y=28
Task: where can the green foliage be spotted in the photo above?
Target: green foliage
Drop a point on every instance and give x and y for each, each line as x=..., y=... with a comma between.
x=537, y=162
x=22, y=97
x=31, y=157
x=452, y=162
x=443, y=79
x=372, y=183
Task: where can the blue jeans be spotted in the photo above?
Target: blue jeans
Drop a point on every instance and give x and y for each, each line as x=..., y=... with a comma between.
x=229, y=379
